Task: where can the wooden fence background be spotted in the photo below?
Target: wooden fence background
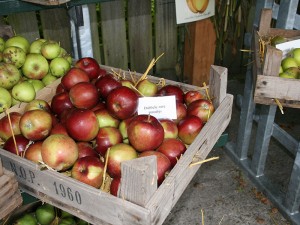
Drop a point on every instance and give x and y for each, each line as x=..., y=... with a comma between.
x=123, y=36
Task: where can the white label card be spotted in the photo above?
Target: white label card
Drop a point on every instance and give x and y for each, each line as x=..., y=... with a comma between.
x=161, y=107
x=288, y=46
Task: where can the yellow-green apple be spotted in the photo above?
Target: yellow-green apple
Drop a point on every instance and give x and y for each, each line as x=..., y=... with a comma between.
x=163, y=164
x=291, y=73
x=49, y=78
x=147, y=88
x=188, y=128
x=89, y=170
x=74, y=76
x=171, y=89
x=38, y=104
x=5, y=100
x=9, y=75
x=8, y=127
x=288, y=62
x=14, y=55
x=105, y=119
x=296, y=55
x=173, y=148
x=82, y=124
x=21, y=144
x=145, y=133
x=170, y=128
x=36, y=45
x=36, y=124
x=18, y=41
x=34, y=152
x=105, y=84
x=35, y=66
x=50, y=49
x=107, y=137
x=200, y=5
x=191, y=96
x=45, y=214
x=202, y=108
x=59, y=151
x=127, y=83
x=119, y=153
x=122, y=102
x=84, y=95
x=123, y=129
x=89, y=65
x=23, y=91
x=59, y=66
x=37, y=84
x=86, y=149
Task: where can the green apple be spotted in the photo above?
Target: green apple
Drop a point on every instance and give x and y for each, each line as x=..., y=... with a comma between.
x=147, y=88
x=36, y=45
x=45, y=214
x=27, y=219
x=5, y=100
x=48, y=79
x=296, y=55
x=2, y=44
x=59, y=66
x=9, y=75
x=14, y=55
x=37, y=84
x=280, y=69
x=63, y=53
x=14, y=101
x=277, y=40
x=23, y=91
x=291, y=73
x=50, y=49
x=36, y=66
x=288, y=62
x=18, y=41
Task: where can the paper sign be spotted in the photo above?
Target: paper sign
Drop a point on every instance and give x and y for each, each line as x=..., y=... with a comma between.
x=193, y=10
x=160, y=107
x=288, y=46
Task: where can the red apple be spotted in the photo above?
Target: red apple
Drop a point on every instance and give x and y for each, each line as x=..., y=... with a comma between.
x=86, y=149
x=60, y=102
x=38, y=104
x=60, y=88
x=84, y=95
x=171, y=90
x=101, y=72
x=114, y=186
x=82, y=125
x=100, y=105
x=189, y=128
x=181, y=111
x=105, y=119
x=74, y=76
x=34, y=152
x=5, y=129
x=172, y=148
x=59, y=128
x=21, y=143
x=106, y=84
x=191, y=96
x=117, y=154
x=89, y=65
x=170, y=128
x=202, y=108
x=89, y=170
x=59, y=151
x=145, y=133
x=107, y=137
x=36, y=124
x=122, y=102
x=163, y=164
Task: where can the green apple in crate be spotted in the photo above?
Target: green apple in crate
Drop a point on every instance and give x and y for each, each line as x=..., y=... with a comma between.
x=23, y=91
x=295, y=53
x=14, y=55
x=36, y=66
x=36, y=46
x=18, y=41
x=5, y=100
x=291, y=73
x=288, y=62
x=9, y=75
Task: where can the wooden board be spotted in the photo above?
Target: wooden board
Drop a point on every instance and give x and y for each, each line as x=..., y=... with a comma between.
x=47, y=2
x=95, y=33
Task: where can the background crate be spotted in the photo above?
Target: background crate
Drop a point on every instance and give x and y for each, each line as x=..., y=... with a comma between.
x=138, y=204
x=268, y=85
x=47, y=2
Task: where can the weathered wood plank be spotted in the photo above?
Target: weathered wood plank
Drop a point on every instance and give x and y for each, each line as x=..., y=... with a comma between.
x=272, y=61
x=140, y=34
x=56, y=26
x=165, y=34
x=28, y=27
x=94, y=32
x=218, y=84
x=114, y=34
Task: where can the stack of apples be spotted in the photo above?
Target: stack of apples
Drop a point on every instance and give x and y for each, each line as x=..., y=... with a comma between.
x=26, y=67
x=290, y=65
x=92, y=120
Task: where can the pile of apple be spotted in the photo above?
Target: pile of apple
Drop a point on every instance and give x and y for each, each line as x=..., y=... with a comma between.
x=92, y=120
x=27, y=67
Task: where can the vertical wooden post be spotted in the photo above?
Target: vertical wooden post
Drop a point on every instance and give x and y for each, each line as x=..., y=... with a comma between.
x=199, y=51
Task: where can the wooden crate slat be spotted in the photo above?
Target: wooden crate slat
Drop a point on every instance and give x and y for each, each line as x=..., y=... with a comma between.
x=7, y=191
x=47, y=2
x=165, y=34
x=14, y=202
x=140, y=34
x=94, y=32
x=114, y=34
x=56, y=26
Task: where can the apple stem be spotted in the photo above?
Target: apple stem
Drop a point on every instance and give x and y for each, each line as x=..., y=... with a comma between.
x=105, y=168
x=12, y=131
x=203, y=161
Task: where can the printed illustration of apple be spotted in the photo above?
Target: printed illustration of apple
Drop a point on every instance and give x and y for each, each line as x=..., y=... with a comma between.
x=189, y=128
x=84, y=95
x=89, y=65
x=34, y=152
x=5, y=129
x=18, y=41
x=23, y=91
x=35, y=66
x=200, y=5
x=202, y=108
x=145, y=133
x=89, y=170
x=74, y=76
x=9, y=75
x=21, y=144
x=105, y=84
x=59, y=151
x=117, y=154
x=59, y=66
x=170, y=128
x=14, y=55
x=36, y=124
x=50, y=49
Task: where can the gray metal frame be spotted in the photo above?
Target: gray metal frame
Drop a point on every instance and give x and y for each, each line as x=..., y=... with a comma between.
x=289, y=202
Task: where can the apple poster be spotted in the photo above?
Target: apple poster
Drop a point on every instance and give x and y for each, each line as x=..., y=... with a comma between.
x=193, y=10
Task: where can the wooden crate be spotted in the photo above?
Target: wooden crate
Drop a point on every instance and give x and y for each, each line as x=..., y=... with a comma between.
x=140, y=201
x=47, y=2
x=268, y=86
